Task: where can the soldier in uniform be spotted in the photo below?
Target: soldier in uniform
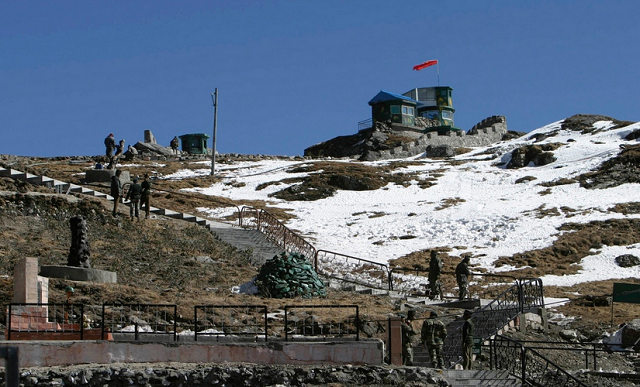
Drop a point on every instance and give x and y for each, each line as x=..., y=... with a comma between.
x=435, y=269
x=467, y=340
x=145, y=195
x=134, y=193
x=462, y=277
x=408, y=333
x=116, y=191
x=432, y=334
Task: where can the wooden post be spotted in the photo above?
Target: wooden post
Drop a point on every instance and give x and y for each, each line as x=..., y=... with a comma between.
x=394, y=340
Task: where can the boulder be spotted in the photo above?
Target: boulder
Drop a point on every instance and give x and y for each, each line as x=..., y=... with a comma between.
x=440, y=151
x=627, y=260
x=149, y=138
x=631, y=334
x=145, y=148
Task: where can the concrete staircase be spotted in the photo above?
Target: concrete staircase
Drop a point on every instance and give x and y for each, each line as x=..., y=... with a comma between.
x=261, y=248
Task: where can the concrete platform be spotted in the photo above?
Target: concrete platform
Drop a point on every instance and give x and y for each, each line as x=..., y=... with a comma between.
x=78, y=274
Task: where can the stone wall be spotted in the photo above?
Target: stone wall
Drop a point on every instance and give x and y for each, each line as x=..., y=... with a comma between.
x=63, y=353
x=487, y=132
x=229, y=374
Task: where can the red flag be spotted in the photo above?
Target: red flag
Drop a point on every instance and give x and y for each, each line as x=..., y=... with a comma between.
x=425, y=64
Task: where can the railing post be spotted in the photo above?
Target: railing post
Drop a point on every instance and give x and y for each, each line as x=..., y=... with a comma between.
x=12, y=369
x=491, y=352
x=286, y=325
x=523, y=363
x=195, y=323
x=103, y=323
x=175, y=323
x=266, y=325
x=357, y=323
x=81, y=321
x=8, y=330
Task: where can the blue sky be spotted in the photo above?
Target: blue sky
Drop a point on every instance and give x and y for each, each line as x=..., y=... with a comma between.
x=295, y=73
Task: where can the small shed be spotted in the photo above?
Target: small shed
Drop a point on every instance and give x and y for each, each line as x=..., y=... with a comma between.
x=398, y=109
x=195, y=143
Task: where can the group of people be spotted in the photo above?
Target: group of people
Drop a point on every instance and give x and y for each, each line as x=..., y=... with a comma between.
x=462, y=277
x=432, y=335
x=138, y=195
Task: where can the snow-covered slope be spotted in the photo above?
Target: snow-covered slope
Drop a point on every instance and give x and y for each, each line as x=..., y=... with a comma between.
x=492, y=215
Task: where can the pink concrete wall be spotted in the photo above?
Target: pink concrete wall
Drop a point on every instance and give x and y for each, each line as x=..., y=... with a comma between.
x=57, y=353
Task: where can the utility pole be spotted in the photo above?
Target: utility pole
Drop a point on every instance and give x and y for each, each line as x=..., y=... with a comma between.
x=214, y=98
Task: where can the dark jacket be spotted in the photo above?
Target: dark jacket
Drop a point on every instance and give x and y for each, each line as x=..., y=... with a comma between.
x=135, y=190
x=462, y=273
x=146, y=189
x=116, y=186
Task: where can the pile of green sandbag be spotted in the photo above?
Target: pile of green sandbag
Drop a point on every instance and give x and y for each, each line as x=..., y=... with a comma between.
x=289, y=275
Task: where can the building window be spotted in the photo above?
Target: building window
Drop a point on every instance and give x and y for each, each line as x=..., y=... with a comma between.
x=407, y=110
x=395, y=109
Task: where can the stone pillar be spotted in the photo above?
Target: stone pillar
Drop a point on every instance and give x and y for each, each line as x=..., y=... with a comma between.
x=28, y=286
x=394, y=341
x=148, y=137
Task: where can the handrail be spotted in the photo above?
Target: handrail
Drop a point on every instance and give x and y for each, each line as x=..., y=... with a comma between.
x=365, y=124
x=367, y=273
x=528, y=364
x=320, y=331
x=495, y=315
x=275, y=231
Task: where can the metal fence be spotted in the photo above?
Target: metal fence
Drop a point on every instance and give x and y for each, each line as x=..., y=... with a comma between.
x=341, y=322
x=61, y=318
x=135, y=321
x=416, y=282
x=529, y=365
x=519, y=298
x=275, y=231
x=230, y=321
x=351, y=269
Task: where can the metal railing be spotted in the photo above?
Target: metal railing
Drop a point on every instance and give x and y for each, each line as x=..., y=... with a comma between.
x=275, y=231
x=230, y=320
x=58, y=318
x=351, y=269
x=527, y=364
x=139, y=320
x=523, y=296
x=416, y=282
x=344, y=321
x=365, y=124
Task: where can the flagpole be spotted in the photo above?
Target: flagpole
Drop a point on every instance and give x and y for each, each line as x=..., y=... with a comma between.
x=438, y=65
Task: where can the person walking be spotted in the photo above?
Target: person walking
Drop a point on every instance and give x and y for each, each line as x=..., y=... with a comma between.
x=116, y=191
x=134, y=193
x=432, y=334
x=408, y=333
x=110, y=144
x=435, y=269
x=145, y=195
x=462, y=278
x=467, y=340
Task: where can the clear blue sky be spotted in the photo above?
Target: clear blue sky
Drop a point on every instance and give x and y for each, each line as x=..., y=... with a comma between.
x=295, y=73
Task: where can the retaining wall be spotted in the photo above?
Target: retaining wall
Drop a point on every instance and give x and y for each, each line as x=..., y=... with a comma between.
x=478, y=136
x=61, y=353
